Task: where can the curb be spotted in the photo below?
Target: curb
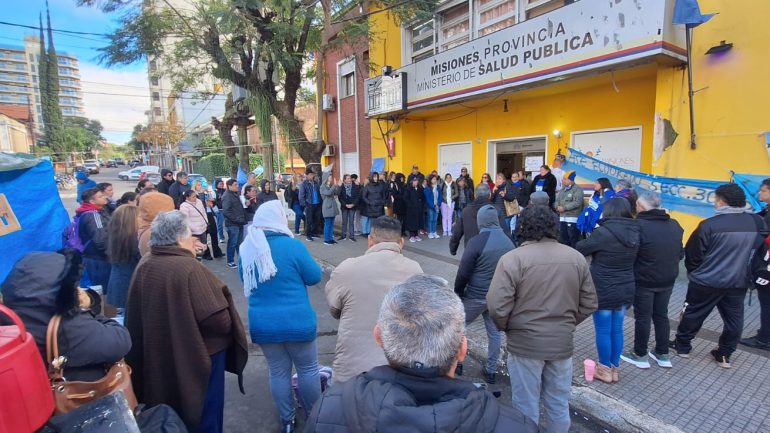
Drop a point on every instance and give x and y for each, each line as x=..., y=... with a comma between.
x=615, y=413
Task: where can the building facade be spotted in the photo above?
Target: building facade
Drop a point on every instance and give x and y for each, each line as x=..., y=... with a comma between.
x=505, y=85
x=19, y=80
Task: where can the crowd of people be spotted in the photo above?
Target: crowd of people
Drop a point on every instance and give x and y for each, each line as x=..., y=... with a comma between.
x=537, y=261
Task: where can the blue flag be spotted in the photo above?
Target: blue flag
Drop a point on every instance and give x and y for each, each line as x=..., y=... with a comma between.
x=688, y=12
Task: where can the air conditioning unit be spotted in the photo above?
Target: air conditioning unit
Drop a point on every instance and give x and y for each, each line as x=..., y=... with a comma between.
x=329, y=150
x=327, y=102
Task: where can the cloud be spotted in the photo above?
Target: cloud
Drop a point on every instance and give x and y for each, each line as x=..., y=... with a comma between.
x=117, y=98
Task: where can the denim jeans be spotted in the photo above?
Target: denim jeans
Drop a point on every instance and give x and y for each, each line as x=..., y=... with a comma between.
x=299, y=215
x=348, y=218
x=329, y=229
x=366, y=225
x=213, y=414
x=220, y=224
x=234, y=239
x=432, y=220
x=608, y=325
x=651, y=305
x=700, y=303
x=280, y=359
x=531, y=378
x=474, y=308
x=570, y=235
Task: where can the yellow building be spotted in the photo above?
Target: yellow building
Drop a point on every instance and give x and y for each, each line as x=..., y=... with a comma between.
x=506, y=84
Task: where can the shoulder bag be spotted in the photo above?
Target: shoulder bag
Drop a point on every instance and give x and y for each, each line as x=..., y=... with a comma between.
x=69, y=395
x=511, y=207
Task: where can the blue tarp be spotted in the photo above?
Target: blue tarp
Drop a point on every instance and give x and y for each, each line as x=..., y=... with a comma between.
x=34, y=198
x=693, y=196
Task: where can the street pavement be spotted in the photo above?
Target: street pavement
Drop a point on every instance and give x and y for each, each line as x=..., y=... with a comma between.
x=255, y=411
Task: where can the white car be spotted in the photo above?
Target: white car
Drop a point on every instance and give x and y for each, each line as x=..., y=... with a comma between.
x=134, y=173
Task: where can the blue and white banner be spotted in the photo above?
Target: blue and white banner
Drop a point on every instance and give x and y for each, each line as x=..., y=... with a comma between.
x=692, y=196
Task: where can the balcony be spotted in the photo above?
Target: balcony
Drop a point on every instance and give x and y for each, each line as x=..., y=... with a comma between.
x=580, y=39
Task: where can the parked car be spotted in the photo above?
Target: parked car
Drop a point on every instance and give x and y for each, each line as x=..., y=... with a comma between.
x=153, y=177
x=120, y=161
x=135, y=173
x=110, y=163
x=91, y=167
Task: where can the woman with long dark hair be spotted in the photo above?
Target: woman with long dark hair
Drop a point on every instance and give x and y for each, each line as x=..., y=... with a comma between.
x=588, y=220
x=414, y=200
x=613, y=248
x=123, y=254
x=397, y=189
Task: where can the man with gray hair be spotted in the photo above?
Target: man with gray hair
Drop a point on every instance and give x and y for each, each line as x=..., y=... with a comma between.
x=421, y=329
x=355, y=292
x=656, y=270
x=467, y=227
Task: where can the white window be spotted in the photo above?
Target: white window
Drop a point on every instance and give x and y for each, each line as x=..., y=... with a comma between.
x=455, y=26
x=494, y=15
x=423, y=43
x=348, y=85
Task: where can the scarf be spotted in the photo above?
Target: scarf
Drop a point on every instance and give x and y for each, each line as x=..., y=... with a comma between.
x=88, y=207
x=256, y=257
x=726, y=210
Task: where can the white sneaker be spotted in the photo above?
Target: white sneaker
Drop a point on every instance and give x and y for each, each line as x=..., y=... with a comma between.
x=419, y=239
x=412, y=239
x=662, y=360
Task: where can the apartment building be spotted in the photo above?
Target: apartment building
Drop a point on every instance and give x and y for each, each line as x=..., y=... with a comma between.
x=19, y=80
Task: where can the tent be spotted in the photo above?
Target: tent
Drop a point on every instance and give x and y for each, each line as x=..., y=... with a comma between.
x=32, y=216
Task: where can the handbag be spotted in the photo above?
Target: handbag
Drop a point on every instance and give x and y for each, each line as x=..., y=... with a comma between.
x=69, y=395
x=511, y=207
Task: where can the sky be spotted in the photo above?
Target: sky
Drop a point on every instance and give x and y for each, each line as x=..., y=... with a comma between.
x=128, y=86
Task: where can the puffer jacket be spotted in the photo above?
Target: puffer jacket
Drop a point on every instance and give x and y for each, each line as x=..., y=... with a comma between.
x=481, y=255
x=718, y=253
x=613, y=246
x=660, y=250
x=90, y=341
x=196, y=216
x=374, y=197
x=387, y=399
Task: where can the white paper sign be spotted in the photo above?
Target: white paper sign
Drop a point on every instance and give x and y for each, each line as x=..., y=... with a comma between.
x=533, y=163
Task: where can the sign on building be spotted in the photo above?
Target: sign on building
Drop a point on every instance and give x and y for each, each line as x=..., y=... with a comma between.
x=579, y=38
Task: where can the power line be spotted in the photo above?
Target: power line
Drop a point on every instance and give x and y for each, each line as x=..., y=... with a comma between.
x=72, y=32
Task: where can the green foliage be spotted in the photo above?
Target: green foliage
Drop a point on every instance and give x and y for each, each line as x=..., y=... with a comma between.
x=211, y=144
x=217, y=164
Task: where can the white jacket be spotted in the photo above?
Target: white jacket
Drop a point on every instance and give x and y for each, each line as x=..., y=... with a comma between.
x=196, y=216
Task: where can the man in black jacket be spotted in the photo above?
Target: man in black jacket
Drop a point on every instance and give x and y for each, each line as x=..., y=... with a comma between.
x=762, y=339
x=656, y=269
x=467, y=227
x=717, y=260
x=421, y=330
x=350, y=196
x=310, y=199
x=177, y=190
x=167, y=179
x=474, y=275
x=235, y=219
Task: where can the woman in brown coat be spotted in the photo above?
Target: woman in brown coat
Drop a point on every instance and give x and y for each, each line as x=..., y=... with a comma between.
x=184, y=328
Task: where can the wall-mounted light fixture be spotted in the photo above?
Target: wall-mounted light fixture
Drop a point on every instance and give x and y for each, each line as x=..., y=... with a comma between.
x=505, y=105
x=723, y=47
x=557, y=133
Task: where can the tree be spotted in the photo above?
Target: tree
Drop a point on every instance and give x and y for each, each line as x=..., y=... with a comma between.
x=49, y=93
x=259, y=45
x=137, y=144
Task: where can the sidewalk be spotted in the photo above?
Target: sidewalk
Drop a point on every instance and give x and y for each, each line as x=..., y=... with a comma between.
x=694, y=396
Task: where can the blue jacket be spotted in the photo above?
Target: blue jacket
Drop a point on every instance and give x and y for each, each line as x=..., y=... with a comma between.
x=306, y=189
x=279, y=309
x=589, y=218
x=429, y=196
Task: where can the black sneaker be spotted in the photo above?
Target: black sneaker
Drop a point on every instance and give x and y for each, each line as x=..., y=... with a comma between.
x=329, y=242
x=288, y=427
x=310, y=239
x=342, y=238
x=722, y=360
x=755, y=343
x=672, y=346
x=459, y=369
x=488, y=377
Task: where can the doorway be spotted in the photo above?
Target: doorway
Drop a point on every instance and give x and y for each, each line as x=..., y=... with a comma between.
x=512, y=155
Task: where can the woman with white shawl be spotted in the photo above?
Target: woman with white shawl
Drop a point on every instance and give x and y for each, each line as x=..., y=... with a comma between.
x=276, y=270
